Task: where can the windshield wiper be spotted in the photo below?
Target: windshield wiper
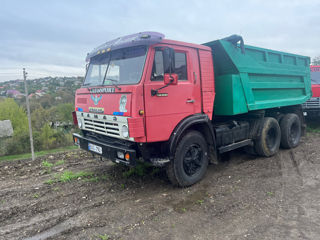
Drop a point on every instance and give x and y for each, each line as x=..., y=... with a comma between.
x=113, y=82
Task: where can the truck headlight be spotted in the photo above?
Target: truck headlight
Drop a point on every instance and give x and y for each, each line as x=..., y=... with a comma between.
x=80, y=123
x=125, y=131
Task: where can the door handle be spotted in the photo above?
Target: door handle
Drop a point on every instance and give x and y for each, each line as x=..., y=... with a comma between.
x=190, y=101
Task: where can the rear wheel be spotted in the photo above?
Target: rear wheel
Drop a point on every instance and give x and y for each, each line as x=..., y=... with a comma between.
x=290, y=130
x=269, y=138
x=190, y=161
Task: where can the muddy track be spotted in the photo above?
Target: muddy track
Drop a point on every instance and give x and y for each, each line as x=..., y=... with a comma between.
x=244, y=197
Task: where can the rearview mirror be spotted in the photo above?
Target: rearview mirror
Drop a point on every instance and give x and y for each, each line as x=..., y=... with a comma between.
x=168, y=60
x=170, y=78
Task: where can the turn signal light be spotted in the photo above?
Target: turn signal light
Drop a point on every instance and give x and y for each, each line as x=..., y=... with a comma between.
x=127, y=156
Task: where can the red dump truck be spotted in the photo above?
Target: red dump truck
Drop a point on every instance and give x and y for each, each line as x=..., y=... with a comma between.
x=179, y=105
x=312, y=106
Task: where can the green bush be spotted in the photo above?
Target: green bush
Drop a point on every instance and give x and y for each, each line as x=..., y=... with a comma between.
x=44, y=137
x=18, y=144
x=10, y=110
x=47, y=137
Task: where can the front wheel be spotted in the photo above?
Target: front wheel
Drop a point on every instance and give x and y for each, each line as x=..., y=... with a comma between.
x=190, y=161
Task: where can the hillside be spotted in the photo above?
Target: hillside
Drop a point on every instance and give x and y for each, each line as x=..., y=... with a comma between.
x=54, y=86
x=51, y=103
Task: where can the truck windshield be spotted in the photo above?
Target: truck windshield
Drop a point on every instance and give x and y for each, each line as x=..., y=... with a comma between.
x=122, y=66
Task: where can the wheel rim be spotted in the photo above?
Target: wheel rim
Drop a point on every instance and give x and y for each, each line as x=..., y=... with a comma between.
x=271, y=138
x=192, y=159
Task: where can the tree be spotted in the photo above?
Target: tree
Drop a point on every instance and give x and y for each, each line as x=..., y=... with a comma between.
x=65, y=112
x=19, y=143
x=10, y=110
x=61, y=113
x=39, y=118
x=316, y=61
x=47, y=138
x=46, y=101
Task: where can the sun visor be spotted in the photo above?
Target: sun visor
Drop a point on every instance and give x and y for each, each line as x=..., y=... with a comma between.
x=142, y=38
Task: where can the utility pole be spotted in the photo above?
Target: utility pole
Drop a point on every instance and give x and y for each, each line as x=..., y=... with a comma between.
x=28, y=111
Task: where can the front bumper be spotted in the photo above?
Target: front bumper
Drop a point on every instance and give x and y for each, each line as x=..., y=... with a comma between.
x=311, y=113
x=109, y=150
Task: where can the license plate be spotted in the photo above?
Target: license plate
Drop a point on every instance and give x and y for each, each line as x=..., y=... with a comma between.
x=94, y=148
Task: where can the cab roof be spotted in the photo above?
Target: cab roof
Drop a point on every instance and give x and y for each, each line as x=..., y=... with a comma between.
x=138, y=39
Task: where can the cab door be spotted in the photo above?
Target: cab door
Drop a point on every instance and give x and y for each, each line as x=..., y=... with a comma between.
x=171, y=104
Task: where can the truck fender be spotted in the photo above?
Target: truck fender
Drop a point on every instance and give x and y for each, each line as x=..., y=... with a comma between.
x=200, y=122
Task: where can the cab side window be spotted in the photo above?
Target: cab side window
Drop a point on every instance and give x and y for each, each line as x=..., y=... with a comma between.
x=180, y=66
x=157, y=69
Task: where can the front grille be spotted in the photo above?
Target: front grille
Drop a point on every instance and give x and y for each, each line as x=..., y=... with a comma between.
x=103, y=127
x=312, y=103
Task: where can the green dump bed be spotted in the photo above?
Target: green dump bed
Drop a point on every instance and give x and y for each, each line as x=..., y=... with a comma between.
x=250, y=78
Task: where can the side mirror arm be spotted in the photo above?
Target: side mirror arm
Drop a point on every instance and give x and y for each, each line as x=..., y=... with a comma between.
x=155, y=91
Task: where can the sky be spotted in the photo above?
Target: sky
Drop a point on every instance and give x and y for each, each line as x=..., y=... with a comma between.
x=52, y=38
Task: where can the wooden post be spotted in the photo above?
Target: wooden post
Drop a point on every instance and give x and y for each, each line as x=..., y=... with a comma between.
x=28, y=112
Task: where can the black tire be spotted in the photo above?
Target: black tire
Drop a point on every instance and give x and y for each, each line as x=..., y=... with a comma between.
x=269, y=137
x=190, y=161
x=290, y=126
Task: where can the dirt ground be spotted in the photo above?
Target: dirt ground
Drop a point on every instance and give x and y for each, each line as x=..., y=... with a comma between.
x=245, y=197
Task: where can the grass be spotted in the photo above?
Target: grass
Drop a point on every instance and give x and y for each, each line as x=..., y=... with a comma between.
x=37, y=154
x=47, y=164
x=36, y=195
x=313, y=129
x=97, y=178
x=200, y=202
x=313, y=126
x=68, y=176
x=103, y=237
x=60, y=162
x=50, y=181
x=141, y=169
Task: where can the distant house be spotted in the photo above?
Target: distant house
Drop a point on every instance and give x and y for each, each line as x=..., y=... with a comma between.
x=14, y=93
x=31, y=95
x=39, y=93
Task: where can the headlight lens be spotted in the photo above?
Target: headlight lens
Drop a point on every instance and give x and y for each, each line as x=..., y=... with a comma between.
x=79, y=123
x=120, y=155
x=125, y=131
